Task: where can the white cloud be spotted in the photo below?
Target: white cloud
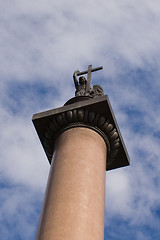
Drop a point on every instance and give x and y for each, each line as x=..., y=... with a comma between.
x=43, y=38
x=18, y=212
x=43, y=42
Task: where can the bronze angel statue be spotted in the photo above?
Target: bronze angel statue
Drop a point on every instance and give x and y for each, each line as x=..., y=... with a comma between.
x=83, y=87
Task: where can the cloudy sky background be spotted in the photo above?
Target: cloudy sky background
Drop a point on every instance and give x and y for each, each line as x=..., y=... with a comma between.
x=42, y=42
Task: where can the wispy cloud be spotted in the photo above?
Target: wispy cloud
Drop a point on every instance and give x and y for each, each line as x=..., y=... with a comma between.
x=19, y=211
x=42, y=43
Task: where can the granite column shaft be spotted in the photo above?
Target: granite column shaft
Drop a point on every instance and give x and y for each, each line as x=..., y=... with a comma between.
x=75, y=195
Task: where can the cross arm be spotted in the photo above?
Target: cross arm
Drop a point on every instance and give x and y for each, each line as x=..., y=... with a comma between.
x=92, y=70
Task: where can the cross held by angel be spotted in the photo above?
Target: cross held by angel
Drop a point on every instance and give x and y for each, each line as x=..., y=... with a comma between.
x=83, y=87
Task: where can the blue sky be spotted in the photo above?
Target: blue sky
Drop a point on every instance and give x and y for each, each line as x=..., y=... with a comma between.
x=42, y=43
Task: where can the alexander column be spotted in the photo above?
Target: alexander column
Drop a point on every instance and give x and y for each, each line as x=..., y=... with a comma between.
x=81, y=140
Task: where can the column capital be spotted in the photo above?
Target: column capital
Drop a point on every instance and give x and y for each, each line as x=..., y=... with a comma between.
x=95, y=114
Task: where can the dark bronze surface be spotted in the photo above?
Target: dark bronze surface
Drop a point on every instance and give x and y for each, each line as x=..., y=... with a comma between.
x=83, y=111
x=83, y=86
x=92, y=70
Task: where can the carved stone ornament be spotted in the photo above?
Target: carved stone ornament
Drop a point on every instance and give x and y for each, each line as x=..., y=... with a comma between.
x=83, y=118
